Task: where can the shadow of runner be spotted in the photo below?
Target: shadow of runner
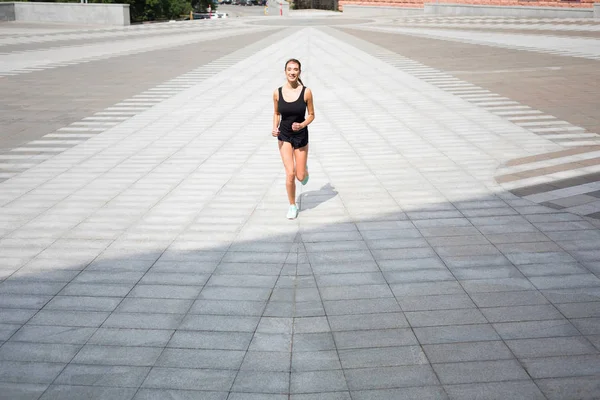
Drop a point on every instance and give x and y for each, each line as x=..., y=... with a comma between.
x=314, y=198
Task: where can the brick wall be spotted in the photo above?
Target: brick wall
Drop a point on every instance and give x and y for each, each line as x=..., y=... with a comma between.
x=419, y=3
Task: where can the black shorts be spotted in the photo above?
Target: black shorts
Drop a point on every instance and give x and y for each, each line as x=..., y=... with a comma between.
x=296, y=139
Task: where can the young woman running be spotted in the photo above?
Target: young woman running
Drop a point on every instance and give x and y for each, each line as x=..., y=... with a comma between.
x=291, y=103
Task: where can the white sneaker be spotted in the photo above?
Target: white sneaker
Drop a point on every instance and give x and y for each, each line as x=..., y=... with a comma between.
x=292, y=212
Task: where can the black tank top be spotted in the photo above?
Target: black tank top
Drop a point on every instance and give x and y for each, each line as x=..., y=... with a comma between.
x=291, y=112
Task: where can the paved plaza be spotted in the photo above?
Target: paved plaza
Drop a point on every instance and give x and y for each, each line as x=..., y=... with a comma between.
x=447, y=246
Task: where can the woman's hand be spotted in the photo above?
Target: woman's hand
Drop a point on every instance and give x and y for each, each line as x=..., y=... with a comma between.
x=275, y=132
x=296, y=126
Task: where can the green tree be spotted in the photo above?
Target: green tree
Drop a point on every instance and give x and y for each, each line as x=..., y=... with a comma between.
x=136, y=9
x=177, y=8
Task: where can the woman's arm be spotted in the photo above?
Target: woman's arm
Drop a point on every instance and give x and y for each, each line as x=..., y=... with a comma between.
x=308, y=97
x=276, y=115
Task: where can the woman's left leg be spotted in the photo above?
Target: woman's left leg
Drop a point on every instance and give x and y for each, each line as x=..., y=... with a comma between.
x=301, y=156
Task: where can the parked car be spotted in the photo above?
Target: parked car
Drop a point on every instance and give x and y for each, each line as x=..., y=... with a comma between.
x=201, y=16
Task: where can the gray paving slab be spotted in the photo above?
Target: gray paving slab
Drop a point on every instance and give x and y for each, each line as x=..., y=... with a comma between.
x=572, y=387
x=535, y=329
x=374, y=338
x=588, y=326
x=117, y=355
x=210, y=340
x=187, y=358
x=98, y=375
x=456, y=333
x=468, y=351
x=89, y=319
x=495, y=390
x=390, y=377
x=382, y=357
x=44, y=352
x=189, y=379
x=315, y=361
x=266, y=361
x=23, y=390
x=130, y=337
x=146, y=253
x=480, y=371
x=28, y=372
x=62, y=391
x=424, y=392
x=318, y=381
x=53, y=334
x=547, y=347
x=371, y=321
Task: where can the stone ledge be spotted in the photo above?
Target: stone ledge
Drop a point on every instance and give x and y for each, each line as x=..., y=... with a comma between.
x=508, y=11
x=361, y=10
x=7, y=11
x=89, y=13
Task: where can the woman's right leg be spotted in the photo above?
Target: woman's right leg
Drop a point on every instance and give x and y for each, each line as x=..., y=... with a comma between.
x=287, y=156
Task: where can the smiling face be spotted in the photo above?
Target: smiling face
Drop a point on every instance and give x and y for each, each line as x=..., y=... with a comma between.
x=292, y=71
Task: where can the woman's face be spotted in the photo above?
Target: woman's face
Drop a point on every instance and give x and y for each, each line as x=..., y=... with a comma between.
x=292, y=72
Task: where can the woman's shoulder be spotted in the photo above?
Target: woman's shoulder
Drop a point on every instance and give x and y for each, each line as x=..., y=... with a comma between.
x=276, y=93
x=307, y=93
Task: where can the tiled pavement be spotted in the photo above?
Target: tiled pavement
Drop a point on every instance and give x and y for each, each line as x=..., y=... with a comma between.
x=153, y=260
x=548, y=94
x=59, y=107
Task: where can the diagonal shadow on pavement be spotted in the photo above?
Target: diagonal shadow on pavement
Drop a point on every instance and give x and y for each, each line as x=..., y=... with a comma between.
x=403, y=305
